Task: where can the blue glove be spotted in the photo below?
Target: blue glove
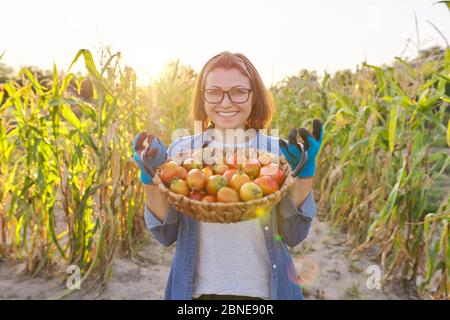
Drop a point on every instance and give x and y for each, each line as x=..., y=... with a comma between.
x=302, y=159
x=148, y=158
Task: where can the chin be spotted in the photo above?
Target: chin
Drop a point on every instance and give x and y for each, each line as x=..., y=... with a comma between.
x=228, y=124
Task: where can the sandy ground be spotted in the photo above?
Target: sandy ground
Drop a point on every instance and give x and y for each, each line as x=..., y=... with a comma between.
x=324, y=261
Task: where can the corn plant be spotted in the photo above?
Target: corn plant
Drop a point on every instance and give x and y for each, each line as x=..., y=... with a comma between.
x=384, y=151
x=68, y=183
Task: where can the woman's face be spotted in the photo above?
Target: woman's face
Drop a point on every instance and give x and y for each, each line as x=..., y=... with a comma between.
x=228, y=114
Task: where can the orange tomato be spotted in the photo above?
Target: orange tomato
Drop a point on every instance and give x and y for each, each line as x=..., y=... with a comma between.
x=196, y=179
x=227, y=194
x=250, y=191
x=238, y=179
x=215, y=183
x=267, y=184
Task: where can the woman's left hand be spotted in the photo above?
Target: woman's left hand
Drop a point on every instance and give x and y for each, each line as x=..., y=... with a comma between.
x=294, y=153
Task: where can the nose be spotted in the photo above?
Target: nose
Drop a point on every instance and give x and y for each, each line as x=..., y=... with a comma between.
x=226, y=100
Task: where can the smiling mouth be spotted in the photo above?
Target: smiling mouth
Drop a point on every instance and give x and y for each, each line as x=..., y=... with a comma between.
x=227, y=114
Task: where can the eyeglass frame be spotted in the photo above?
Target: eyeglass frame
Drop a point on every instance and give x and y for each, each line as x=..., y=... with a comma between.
x=228, y=93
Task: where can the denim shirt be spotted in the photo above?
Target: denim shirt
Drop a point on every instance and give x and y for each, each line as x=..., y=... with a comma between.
x=284, y=226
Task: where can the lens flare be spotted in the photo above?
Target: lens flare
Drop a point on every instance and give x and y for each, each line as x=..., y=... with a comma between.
x=260, y=212
x=307, y=271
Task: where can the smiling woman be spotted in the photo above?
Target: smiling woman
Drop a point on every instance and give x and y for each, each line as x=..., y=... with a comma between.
x=229, y=108
x=230, y=94
x=231, y=97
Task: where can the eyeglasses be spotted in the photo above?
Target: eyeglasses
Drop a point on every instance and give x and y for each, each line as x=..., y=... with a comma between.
x=236, y=95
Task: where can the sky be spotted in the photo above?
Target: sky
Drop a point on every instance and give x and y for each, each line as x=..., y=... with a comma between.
x=280, y=37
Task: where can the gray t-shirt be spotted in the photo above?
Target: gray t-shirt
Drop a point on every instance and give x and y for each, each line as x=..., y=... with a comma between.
x=232, y=259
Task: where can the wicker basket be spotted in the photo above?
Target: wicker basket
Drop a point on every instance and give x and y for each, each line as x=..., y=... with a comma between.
x=229, y=212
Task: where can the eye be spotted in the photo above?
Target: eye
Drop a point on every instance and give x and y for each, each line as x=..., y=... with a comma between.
x=238, y=91
x=213, y=91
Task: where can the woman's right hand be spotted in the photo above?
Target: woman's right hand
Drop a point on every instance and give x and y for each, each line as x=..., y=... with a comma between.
x=149, y=156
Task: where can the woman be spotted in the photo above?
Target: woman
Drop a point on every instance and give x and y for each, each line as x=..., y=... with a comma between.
x=248, y=259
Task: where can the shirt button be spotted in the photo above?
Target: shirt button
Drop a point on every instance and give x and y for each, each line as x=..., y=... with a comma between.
x=274, y=266
x=266, y=228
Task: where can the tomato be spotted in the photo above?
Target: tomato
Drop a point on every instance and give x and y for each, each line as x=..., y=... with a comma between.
x=209, y=198
x=251, y=167
x=267, y=184
x=182, y=173
x=208, y=171
x=220, y=168
x=189, y=164
x=196, y=179
x=229, y=174
x=169, y=171
x=274, y=171
x=238, y=179
x=250, y=191
x=179, y=186
x=214, y=184
x=227, y=194
x=197, y=195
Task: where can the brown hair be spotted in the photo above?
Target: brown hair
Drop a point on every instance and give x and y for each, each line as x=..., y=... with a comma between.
x=262, y=104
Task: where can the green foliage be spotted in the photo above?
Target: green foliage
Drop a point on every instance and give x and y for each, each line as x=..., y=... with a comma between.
x=385, y=159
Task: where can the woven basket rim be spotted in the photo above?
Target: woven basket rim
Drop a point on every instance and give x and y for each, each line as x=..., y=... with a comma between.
x=283, y=189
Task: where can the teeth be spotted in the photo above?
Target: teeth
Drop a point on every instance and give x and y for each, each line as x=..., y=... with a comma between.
x=227, y=114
